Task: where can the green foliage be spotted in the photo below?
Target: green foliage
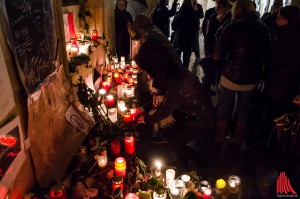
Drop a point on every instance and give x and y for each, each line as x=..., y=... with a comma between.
x=84, y=12
x=152, y=184
x=78, y=61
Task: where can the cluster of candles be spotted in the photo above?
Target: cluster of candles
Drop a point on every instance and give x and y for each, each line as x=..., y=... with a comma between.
x=78, y=45
x=125, y=78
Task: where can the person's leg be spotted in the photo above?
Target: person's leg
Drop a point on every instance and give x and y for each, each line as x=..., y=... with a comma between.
x=223, y=114
x=186, y=57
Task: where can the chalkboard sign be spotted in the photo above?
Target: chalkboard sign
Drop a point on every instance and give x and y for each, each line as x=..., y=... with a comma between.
x=31, y=25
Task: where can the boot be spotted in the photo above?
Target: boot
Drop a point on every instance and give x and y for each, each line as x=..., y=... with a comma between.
x=221, y=129
x=240, y=133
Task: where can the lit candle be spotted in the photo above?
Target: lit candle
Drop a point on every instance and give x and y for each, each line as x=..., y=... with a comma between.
x=133, y=113
x=206, y=193
x=121, y=105
x=113, y=115
x=158, y=168
x=122, y=59
x=131, y=196
x=82, y=48
x=68, y=48
x=102, y=157
x=133, y=63
x=234, y=183
x=115, y=147
x=120, y=167
x=77, y=36
x=102, y=91
x=130, y=80
x=220, y=185
x=117, y=182
x=185, y=178
x=94, y=35
x=127, y=117
x=106, y=86
x=128, y=91
x=160, y=193
x=170, y=176
x=58, y=192
x=73, y=50
x=110, y=101
x=117, y=78
x=129, y=143
x=177, y=188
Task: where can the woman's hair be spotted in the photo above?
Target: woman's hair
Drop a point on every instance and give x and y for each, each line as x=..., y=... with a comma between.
x=292, y=14
x=242, y=6
x=116, y=5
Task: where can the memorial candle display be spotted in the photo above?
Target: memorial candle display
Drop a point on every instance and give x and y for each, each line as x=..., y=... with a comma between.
x=234, y=183
x=220, y=185
x=117, y=78
x=115, y=147
x=74, y=50
x=102, y=157
x=58, y=192
x=160, y=193
x=131, y=196
x=102, y=91
x=129, y=143
x=170, y=176
x=158, y=168
x=121, y=105
x=133, y=113
x=117, y=182
x=185, y=178
x=206, y=193
x=110, y=101
x=120, y=167
x=106, y=86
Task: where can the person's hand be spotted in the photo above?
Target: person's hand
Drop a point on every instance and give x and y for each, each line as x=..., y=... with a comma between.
x=297, y=100
x=140, y=120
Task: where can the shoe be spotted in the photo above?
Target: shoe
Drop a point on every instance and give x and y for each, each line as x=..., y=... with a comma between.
x=159, y=140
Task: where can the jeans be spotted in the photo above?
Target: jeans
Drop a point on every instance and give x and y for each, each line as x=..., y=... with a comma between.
x=231, y=99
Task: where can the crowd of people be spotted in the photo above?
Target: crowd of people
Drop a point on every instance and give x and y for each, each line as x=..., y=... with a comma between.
x=246, y=55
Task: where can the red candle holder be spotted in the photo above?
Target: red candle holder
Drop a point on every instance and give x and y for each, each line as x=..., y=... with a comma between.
x=127, y=117
x=129, y=143
x=133, y=113
x=131, y=196
x=110, y=101
x=58, y=192
x=115, y=147
x=94, y=35
x=117, y=182
x=120, y=167
x=117, y=78
x=106, y=86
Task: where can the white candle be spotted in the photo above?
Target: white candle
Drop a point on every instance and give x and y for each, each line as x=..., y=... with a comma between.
x=102, y=91
x=159, y=196
x=112, y=114
x=158, y=168
x=185, y=178
x=102, y=157
x=177, y=188
x=122, y=59
x=129, y=92
x=234, y=184
x=170, y=176
x=81, y=48
x=73, y=51
x=121, y=105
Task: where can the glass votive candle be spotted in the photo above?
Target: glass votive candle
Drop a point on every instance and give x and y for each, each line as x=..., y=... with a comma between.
x=220, y=185
x=177, y=188
x=206, y=193
x=185, y=178
x=120, y=167
x=121, y=105
x=115, y=147
x=234, y=183
x=129, y=143
x=102, y=91
x=102, y=157
x=94, y=35
x=131, y=196
x=133, y=113
x=106, y=85
x=122, y=59
x=128, y=91
x=127, y=117
x=170, y=176
x=113, y=115
x=110, y=101
x=160, y=193
x=117, y=181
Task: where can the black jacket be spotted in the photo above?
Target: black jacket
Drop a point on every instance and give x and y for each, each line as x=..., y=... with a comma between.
x=242, y=48
x=181, y=88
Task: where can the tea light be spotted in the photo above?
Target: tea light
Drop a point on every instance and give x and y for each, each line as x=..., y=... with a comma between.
x=131, y=196
x=117, y=182
x=113, y=115
x=185, y=178
x=176, y=188
x=127, y=117
x=110, y=101
x=94, y=36
x=129, y=143
x=106, y=86
x=220, y=185
x=234, y=183
x=207, y=193
x=102, y=157
x=102, y=91
x=170, y=176
x=120, y=167
x=115, y=147
x=160, y=193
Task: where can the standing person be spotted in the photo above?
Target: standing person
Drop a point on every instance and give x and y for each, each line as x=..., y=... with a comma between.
x=123, y=20
x=269, y=18
x=185, y=25
x=199, y=12
x=240, y=53
x=161, y=15
x=283, y=67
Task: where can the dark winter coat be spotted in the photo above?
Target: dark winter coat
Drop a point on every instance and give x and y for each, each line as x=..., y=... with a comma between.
x=283, y=66
x=121, y=33
x=161, y=16
x=242, y=48
x=181, y=88
x=185, y=24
